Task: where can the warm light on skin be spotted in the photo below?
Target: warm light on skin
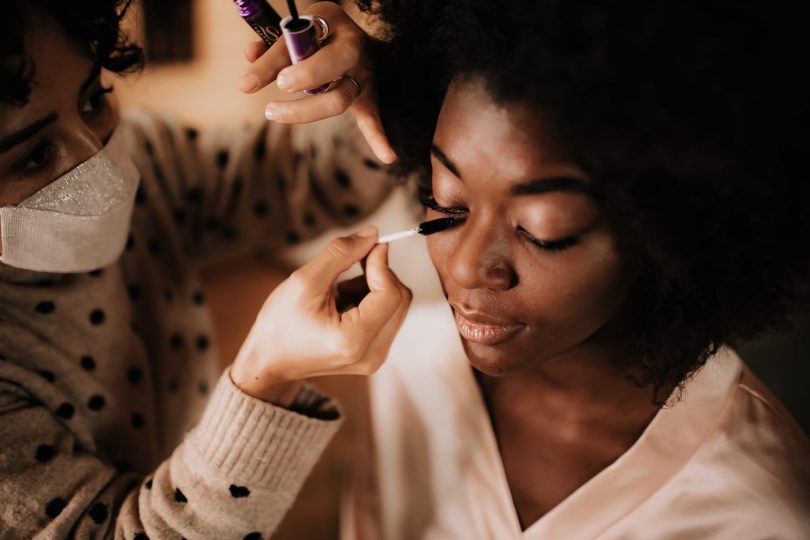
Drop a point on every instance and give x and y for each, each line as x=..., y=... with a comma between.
x=64, y=86
x=84, y=117
x=561, y=298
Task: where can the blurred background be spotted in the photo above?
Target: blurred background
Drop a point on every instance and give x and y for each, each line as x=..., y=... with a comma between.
x=195, y=58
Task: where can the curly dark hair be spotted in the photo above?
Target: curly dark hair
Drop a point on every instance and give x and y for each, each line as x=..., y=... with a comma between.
x=690, y=117
x=95, y=23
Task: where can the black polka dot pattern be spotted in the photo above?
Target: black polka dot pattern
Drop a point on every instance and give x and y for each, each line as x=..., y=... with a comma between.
x=96, y=402
x=222, y=159
x=45, y=307
x=176, y=341
x=260, y=209
x=134, y=375
x=343, y=179
x=45, y=453
x=179, y=497
x=98, y=513
x=134, y=292
x=87, y=362
x=293, y=237
x=65, y=410
x=55, y=507
x=238, y=492
x=97, y=317
x=203, y=343
x=350, y=210
x=373, y=165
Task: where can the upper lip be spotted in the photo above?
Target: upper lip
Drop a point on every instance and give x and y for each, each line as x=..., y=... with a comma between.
x=481, y=317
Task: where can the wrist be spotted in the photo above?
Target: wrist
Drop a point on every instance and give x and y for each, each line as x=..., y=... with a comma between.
x=261, y=385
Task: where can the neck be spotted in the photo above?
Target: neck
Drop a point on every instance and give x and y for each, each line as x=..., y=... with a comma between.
x=586, y=388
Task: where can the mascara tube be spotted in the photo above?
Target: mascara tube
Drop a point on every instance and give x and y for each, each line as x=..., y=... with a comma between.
x=262, y=18
x=301, y=37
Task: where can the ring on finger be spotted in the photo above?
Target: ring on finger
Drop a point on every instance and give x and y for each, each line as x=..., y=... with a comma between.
x=323, y=28
x=356, y=84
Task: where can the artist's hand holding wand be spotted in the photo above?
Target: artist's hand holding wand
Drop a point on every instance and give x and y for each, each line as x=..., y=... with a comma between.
x=343, y=58
x=300, y=333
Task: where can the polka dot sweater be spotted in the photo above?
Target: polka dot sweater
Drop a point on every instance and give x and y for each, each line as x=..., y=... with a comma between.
x=114, y=421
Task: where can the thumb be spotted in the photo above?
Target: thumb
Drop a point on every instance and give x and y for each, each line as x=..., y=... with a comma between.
x=337, y=257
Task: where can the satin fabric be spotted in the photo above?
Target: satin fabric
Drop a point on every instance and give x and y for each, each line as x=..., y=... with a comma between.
x=727, y=461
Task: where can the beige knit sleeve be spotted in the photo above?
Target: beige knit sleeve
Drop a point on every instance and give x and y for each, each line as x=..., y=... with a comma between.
x=260, y=187
x=234, y=476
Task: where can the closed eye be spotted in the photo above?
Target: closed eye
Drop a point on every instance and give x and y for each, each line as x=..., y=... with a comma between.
x=549, y=245
x=428, y=201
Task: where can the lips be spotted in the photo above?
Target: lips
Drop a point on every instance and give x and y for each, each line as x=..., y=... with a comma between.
x=484, y=329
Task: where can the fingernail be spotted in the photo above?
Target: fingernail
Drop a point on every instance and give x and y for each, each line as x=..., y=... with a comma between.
x=284, y=81
x=271, y=113
x=365, y=232
x=248, y=83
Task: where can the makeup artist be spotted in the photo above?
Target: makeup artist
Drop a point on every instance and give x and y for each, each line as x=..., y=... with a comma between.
x=106, y=358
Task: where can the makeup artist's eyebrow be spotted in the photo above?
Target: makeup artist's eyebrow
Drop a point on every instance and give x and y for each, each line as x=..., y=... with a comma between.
x=567, y=184
x=18, y=137
x=443, y=159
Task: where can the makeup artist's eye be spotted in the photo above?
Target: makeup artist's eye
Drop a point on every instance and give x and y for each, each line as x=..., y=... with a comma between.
x=38, y=159
x=428, y=201
x=97, y=101
x=549, y=245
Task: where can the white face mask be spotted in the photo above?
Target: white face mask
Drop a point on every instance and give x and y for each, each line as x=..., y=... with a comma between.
x=77, y=223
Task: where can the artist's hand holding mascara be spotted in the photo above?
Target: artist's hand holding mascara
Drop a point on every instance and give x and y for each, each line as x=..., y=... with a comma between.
x=342, y=60
x=300, y=332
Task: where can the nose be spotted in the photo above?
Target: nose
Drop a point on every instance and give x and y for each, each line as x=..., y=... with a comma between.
x=480, y=259
x=83, y=143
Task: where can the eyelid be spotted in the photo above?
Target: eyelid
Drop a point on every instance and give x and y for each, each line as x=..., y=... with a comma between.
x=427, y=200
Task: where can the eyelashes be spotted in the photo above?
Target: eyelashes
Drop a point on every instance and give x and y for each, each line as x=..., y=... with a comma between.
x=427, y=200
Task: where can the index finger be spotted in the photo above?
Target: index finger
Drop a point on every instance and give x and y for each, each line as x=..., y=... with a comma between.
x=265, y=69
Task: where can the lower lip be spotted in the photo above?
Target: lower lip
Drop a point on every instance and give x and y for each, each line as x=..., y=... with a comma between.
x=485, y=334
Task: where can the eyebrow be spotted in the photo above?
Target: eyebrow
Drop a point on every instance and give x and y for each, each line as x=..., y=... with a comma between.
x=568, y=184
x=18, y=137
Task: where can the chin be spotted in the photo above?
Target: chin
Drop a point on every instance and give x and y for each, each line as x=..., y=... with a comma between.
x=499, y=360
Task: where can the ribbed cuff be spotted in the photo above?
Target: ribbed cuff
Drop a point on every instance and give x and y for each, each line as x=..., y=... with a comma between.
x=249, y=440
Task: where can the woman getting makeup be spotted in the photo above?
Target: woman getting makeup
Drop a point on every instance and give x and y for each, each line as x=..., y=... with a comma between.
x=113, y=423
x=631, y=200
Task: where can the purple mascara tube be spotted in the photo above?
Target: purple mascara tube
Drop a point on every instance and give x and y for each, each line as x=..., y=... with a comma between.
x=301, y=36
x=262, y=18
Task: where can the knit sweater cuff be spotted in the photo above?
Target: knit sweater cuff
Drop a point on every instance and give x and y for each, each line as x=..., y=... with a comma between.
x=247, y=439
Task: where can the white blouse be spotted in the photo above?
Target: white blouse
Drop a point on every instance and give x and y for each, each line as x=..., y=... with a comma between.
x=726, y=462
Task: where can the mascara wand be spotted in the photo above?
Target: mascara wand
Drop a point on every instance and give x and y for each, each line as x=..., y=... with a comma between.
x=425, y=228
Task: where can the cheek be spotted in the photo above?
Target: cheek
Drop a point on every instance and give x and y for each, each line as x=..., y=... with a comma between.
x=440, y=246
x=581, y=293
